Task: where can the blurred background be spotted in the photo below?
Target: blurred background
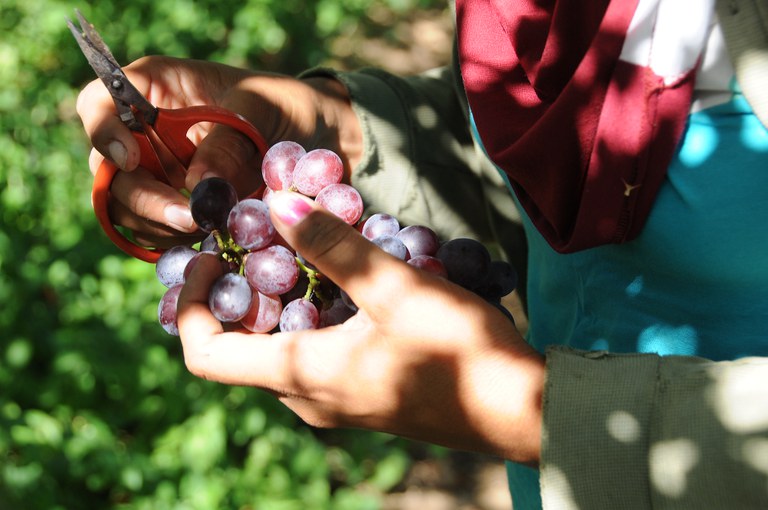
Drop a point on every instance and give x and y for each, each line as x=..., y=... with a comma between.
x=97, y=410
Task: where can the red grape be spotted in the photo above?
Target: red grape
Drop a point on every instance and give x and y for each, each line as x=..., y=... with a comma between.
x=264, y=314
x=316, y=170
x=380, y=224
x=278, y=164
x=249, y=224
x=272, y=270
x=230, y=297
x=419, y=240
x=393, y=246
x=170, y=266
x=342, y=200
x=166, y=310
x=429, y=264
x=298, y=315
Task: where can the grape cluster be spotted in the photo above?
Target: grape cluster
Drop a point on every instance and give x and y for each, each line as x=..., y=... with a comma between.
x=267, y=286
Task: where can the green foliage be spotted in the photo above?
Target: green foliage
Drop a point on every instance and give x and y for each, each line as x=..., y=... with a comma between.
x=96, y=407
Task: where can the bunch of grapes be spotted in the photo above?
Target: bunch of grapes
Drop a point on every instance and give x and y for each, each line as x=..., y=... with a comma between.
x=267, y=286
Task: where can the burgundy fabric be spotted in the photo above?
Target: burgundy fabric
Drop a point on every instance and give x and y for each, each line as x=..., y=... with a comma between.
x=584, y=137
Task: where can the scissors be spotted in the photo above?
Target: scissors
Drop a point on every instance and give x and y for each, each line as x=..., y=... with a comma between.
x=165, y=149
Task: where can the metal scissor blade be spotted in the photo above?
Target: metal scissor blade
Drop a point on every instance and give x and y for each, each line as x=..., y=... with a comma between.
x=93, y=36
x=106, y=67
x=94, y=48
x=103, y=64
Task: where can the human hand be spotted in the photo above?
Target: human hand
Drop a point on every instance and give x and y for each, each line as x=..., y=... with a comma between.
x=314, y=112
x=422, y=358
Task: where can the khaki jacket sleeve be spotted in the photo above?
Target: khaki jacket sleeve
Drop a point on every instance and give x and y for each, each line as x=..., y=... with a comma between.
x=421, y=163
x=638, y=431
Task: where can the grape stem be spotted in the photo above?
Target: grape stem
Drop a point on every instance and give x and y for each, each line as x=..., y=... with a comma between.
x=230, y=250
x=314, y=281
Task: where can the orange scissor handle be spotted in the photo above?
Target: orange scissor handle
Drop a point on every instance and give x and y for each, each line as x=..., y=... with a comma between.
x=172, y=127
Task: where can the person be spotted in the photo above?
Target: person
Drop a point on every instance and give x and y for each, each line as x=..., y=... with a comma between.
x=636, y=162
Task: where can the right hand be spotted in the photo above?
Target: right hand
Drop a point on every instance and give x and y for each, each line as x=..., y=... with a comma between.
x=314, y=112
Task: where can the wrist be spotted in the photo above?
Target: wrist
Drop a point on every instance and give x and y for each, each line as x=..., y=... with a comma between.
x=511, y=405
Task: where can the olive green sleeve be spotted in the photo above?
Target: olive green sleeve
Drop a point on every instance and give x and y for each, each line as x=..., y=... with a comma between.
x=638, y=431
x=420, y=161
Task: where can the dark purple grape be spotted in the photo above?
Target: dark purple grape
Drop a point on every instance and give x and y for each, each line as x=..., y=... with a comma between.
x=347, y=300
x=264, y=314
x=500, y=281
x=272, y=270
x=166, y=310
x=393, y=246
x=298, y=315
x=279, y=162
x=419, y=240
x=342, y=200
x=249, y=224
x=429, y=264
x=335, y=313
x=230, y=297
x=467, y=261
x=210, y=203
x=170, y=266
x=380, y=224
x=316, y=170
x=298, y=291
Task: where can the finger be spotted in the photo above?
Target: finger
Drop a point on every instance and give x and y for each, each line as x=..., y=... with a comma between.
x=108, y=134
x=95, y=159
x=371, y=277
x=152, y=200
x=150, y=234
x=121, y=215
x=228, y=154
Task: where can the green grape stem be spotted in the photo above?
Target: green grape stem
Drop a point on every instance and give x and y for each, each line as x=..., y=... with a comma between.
x=313, y=289
x=230, y=250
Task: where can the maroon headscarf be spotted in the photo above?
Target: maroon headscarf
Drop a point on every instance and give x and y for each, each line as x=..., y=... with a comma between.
x=584, y=136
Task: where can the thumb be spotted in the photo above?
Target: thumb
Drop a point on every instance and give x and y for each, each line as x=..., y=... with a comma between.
x=368, y=274
x=229, y=154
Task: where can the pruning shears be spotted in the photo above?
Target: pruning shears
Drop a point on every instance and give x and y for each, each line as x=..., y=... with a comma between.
x=165, y=148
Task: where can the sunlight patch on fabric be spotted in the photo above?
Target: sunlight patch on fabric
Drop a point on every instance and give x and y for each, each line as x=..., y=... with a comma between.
x=635, y=287
x=664, y=340
x=753, y=135
x=623, y=427
x=670, y=463
x=701, y=141
x=732, y=397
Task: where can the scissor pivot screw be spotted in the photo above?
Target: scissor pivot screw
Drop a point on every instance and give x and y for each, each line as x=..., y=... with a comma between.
x=117, y=84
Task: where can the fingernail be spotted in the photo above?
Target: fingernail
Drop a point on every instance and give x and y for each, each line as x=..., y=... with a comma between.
x=179, y=217
x=290, y=207
x=117, y=153
x=208, y=174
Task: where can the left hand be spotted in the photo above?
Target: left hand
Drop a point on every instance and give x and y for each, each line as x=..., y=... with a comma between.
x=422, y=358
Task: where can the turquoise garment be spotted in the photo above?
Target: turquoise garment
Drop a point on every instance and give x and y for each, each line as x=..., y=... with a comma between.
x=695, y=282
